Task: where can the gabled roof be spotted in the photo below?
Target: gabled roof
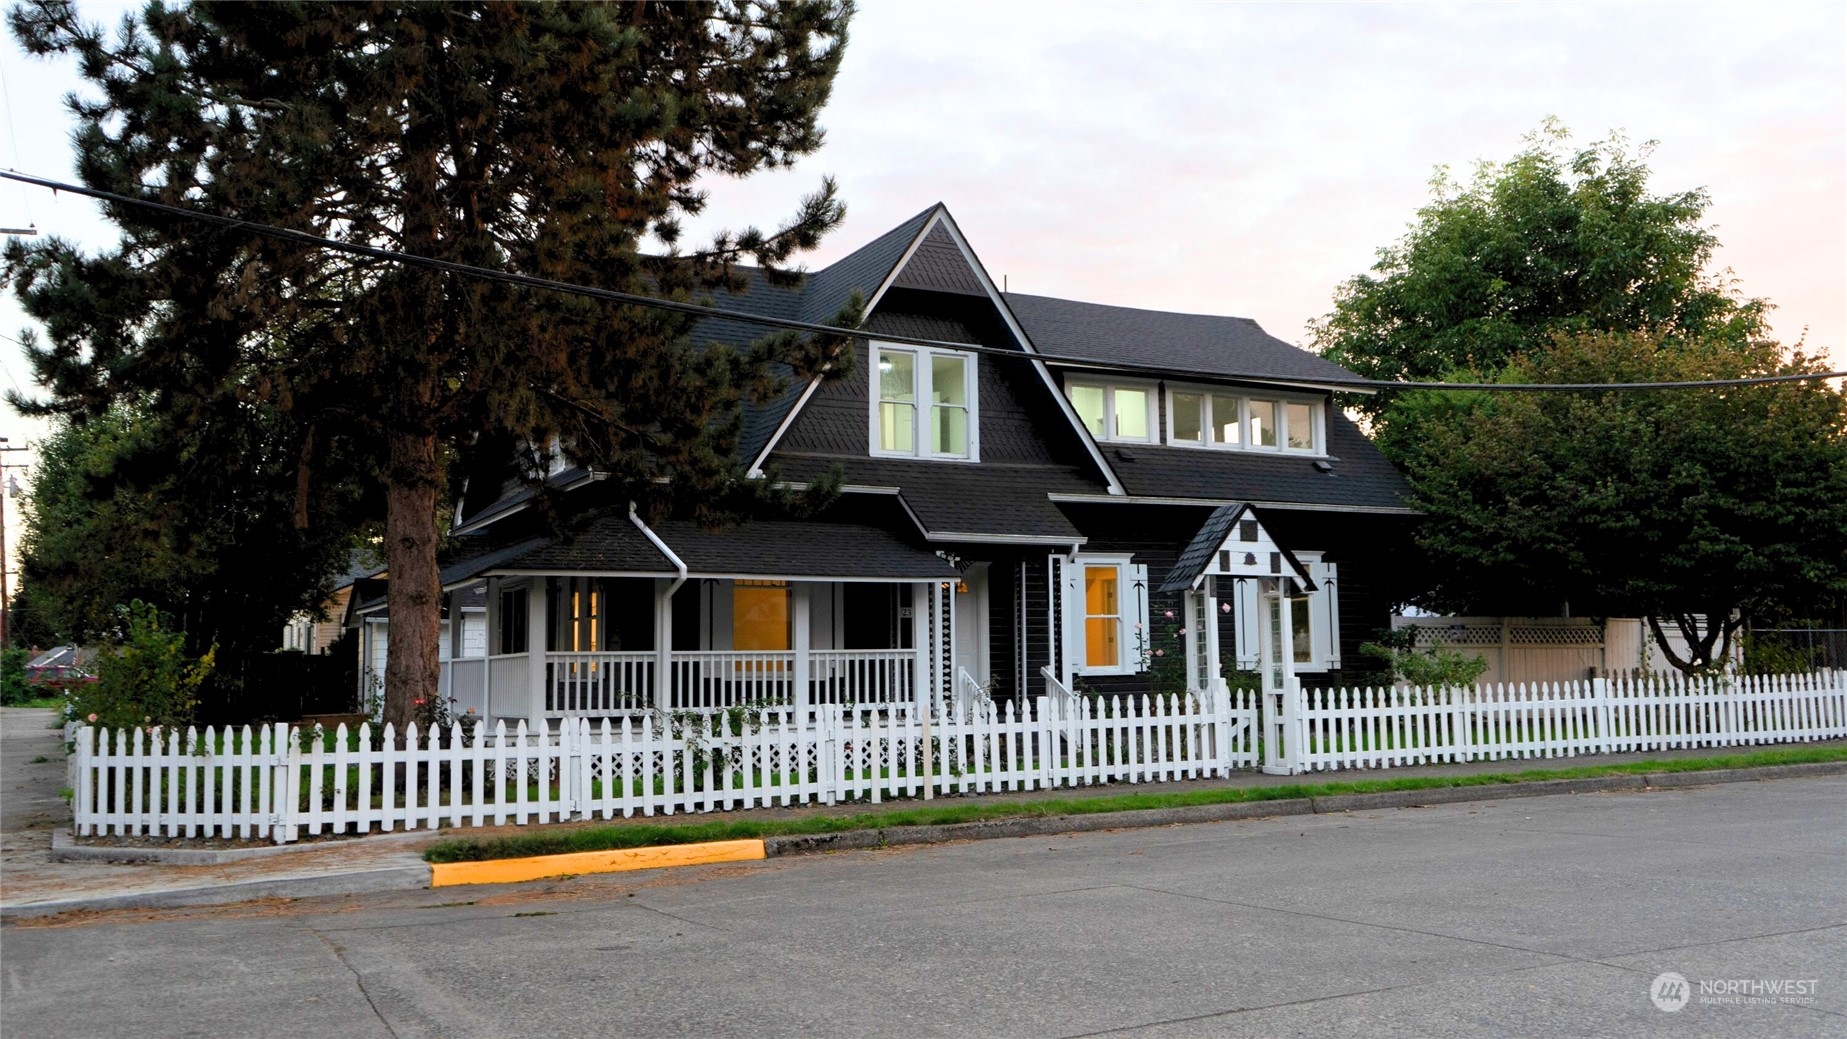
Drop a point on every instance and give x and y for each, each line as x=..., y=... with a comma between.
x=1203, y=344
x=1233, y=543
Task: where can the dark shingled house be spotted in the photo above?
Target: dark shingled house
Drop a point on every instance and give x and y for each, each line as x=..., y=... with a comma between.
x=1007, y=518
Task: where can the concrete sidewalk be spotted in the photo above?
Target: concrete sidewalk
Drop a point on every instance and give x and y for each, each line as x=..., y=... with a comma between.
x=31, y=884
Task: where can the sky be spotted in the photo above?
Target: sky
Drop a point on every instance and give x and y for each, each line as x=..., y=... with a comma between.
x=1240, y=158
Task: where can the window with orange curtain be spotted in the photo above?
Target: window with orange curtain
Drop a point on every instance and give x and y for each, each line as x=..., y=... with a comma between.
x=1102, y=616
x=760, y=615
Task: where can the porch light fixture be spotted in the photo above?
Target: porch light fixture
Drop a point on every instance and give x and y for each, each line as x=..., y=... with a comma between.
x=961, y=587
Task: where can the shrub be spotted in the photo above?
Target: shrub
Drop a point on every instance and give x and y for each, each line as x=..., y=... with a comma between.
x=146, y=678
x=1437, y=665
x=13, y=688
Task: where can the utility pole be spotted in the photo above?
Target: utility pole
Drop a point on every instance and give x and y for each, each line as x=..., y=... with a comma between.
x=8, y=488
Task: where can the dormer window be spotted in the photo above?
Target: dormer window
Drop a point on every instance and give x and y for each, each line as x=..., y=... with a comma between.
x=1205, y=417
x=1115, y=411
x=923, y=403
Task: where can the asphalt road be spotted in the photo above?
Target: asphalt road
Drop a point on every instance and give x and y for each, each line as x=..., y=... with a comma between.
x=1536, y=917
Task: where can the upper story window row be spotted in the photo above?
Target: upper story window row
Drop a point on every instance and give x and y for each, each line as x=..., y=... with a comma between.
x=1199, y=416
x=924, y=404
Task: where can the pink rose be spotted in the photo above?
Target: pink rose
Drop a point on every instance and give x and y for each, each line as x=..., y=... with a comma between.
x=1224, y=607
x=1169, y=615
x=1160, y=652
x=92, y=717
x=1183, y=631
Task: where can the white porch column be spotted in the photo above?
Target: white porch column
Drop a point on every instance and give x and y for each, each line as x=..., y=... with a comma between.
x=453, y=602
x=800, y=638
x=663, y=645
x=538, y=640
x=365, y=665
x=923, y=593
x=492, y=641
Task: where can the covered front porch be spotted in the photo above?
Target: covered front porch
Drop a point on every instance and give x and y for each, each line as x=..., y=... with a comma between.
x=576, y=646
x=626, y=618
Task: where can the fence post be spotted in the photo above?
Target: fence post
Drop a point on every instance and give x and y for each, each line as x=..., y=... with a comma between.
x=1047, y=739
x=1462, y=741
x=285, y=784
x=827, y=750
x=84, y=782
x=1600, y=698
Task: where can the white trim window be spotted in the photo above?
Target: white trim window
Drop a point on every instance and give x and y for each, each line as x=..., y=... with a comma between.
x=1316, y=616
x=1107, y=621
x=1115, y=411
x=1202, y=416
x=924, y=404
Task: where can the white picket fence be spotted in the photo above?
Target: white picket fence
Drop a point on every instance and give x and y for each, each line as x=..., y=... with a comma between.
x=1383, y=728
x=280, y=782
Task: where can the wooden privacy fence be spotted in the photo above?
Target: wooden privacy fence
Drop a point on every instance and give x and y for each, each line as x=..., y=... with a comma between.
x=1382, y=728
x=280, y=782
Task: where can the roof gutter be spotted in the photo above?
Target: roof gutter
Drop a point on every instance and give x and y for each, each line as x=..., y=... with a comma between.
x=679, y=564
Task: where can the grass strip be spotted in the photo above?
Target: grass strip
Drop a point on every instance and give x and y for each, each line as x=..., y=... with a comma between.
x=558, y=841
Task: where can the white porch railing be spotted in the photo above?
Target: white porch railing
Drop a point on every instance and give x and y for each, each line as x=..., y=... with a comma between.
x=862, y=676
x=598, y=683
x=732, y=678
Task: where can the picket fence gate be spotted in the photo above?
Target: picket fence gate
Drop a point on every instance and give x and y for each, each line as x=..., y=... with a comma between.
x=280, y=782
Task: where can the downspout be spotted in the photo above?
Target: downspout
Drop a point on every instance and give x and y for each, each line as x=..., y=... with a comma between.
x=679, y=564
x=663, y=615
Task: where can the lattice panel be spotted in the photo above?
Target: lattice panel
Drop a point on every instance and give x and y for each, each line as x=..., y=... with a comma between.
x=1534, y=635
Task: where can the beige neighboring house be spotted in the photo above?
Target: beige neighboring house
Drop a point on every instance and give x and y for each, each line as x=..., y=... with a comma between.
x=309, y=635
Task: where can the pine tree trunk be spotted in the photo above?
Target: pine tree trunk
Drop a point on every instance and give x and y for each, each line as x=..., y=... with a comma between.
x=413, y=589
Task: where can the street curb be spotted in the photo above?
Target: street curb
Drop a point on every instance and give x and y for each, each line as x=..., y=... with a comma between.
x=396, y=878
x=64, y=848
x=576, y=863
x=419, y=877
x=1037, y=826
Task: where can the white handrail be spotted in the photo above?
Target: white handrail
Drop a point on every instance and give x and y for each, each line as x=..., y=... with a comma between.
x=1056, y=689
x=971, y=701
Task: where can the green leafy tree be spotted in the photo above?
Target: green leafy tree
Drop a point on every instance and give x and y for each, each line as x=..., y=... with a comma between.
x=1551, y=241
x=550, y=139
x=122, y=510
x=1564, y=266
x=1694, y=508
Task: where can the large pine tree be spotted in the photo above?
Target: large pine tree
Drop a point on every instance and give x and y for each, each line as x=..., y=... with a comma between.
x=551, y=139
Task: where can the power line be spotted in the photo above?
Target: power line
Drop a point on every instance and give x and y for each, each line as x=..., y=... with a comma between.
x=677, y=306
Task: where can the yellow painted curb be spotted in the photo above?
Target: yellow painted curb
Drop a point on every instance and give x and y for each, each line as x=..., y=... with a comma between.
x=538, y=867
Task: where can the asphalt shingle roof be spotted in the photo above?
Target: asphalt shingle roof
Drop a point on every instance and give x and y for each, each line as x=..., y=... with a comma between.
x=1361, y=478
x=772, y=548
x=951, y=498
x=1201, y=344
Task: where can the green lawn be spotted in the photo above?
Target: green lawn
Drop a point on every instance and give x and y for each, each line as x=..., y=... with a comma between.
x=558, y=840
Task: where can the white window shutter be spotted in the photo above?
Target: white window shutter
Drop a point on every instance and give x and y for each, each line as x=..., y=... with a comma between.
x=1245, y=594
x=1138, y=590
x=1330, y=603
